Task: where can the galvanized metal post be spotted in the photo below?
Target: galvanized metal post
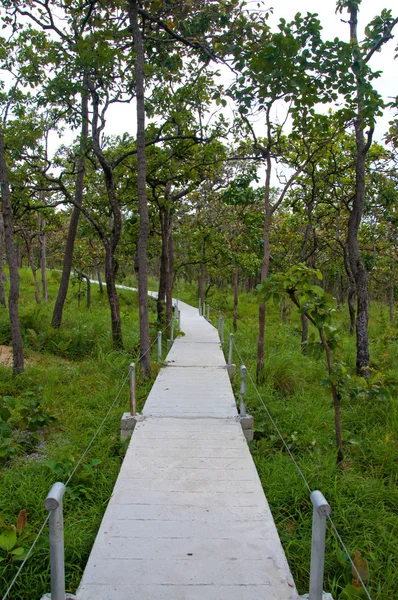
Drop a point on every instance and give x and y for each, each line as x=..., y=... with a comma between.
x=230, y=350
x=159, y=346
x=222, y=330
x=179, y=318
x=53, y=503
x=172, y=328
x=320, y=513
x=243, y=375
x=208, y=313
x=133, y=406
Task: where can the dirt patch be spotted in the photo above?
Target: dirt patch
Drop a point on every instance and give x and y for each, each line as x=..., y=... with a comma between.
x=5, y=356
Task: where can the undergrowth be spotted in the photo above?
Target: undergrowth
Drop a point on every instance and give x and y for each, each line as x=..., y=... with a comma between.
x=48, y=416
x=363, y=492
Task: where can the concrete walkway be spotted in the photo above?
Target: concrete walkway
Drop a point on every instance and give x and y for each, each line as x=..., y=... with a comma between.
x=188, y=519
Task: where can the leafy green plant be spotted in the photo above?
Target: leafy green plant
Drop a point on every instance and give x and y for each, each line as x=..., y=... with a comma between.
x=15, y=539
x=319, y=308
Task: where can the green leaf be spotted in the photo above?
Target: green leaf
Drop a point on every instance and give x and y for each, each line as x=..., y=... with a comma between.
x=4, y=414
x=8, y=539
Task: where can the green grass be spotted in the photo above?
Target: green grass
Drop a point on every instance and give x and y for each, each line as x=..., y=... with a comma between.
x=363, y=494
x=75, y=375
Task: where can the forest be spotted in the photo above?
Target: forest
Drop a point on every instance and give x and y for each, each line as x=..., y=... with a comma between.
x=249, y=178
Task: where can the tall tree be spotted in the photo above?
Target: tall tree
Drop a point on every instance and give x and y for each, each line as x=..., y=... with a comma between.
x=365, y=105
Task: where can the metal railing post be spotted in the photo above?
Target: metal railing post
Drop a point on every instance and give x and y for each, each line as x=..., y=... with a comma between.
x=179, y=318
x=222, y=330
x=159, y=346
x=133, y=406
x=53, y=504
x=231, y=345
x=320, y=513
x=243, y=375
x=172, y=328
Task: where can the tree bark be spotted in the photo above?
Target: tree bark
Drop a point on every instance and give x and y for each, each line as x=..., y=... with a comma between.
x=161, y=303
x=33, y=268
x=391, y=302
x=357, y=267
x=236, y=297
x=2, y=290
x=12, y=259
x=142, y=196
x=351, y=291
x=264, y=275
x=43, y=254
x=170, y=275
x=304, y=333
x=70, y=240
x=101, y=287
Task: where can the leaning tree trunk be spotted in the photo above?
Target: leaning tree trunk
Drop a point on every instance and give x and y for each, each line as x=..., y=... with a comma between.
x=142, y=260
x=2, y=290
x=101, y=287
x=70, y=240
x=12, y=259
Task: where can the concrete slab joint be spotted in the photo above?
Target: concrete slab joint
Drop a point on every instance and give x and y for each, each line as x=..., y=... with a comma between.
x=128, y=423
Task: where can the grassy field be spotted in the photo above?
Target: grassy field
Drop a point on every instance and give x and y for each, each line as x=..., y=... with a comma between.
x=363, y=492
x=72, y=376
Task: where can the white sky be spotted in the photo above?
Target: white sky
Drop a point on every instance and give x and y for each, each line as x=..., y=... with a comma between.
x=121, y=118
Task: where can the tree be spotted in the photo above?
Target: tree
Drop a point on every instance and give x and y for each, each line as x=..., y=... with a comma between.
x=364, y=104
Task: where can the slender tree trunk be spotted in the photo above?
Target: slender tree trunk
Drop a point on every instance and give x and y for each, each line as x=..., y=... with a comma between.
x=357, y=267
x=264, y=275
x=88, y=282
x=161, y=304
x=170, y=275
x=101, y=287
x=70, y=240
x=304, y=333
x=142, y=197
x=201, y=283
x=43, y=254
x=2, y=290
x=33, y=268
x=113, y=298
x=351, y=291
x=236, y=297
x=391, y=302
x=8, y=221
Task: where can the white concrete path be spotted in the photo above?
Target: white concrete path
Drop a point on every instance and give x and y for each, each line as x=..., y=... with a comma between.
x=188, y=519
